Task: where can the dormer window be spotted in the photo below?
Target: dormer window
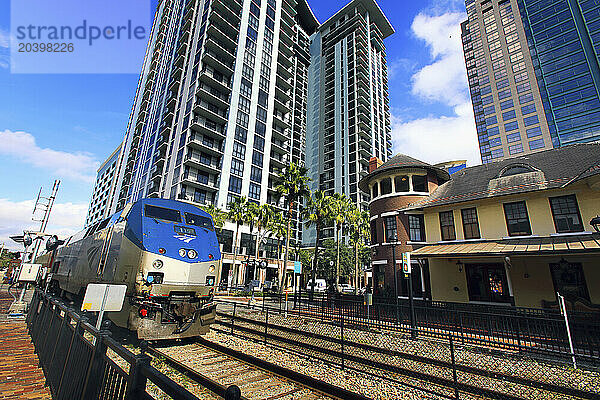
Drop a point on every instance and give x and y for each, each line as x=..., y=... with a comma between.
x=515, y=169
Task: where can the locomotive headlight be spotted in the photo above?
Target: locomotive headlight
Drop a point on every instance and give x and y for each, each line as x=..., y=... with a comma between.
x=211, y=269
x=182, y=252
x=157, y=264
x=192, y=254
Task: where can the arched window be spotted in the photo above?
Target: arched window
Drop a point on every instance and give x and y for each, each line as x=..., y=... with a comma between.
x=386, y=186
x=375, y=191
x=515, y=169
x=401, y=183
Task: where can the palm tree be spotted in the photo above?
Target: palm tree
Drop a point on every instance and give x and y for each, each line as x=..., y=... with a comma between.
x=219, y=216
x=339, y=206
x=278, y=228
x=263, y=216
x=358, y=222
x=238, y=213
x=292, y=183
x=317, y=212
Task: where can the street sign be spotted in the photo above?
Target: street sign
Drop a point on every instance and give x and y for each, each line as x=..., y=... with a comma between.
x=29, y=272
x=100, y=296
x=297, y=267
x=406, y=262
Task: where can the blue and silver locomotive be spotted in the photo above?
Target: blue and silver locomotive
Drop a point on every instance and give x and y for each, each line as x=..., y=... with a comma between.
x=167, y=254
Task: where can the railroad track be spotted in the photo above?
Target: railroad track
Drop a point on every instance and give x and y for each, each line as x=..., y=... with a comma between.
x=217, y=367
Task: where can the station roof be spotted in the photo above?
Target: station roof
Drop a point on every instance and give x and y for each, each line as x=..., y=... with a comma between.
x=548, y=169
x=584, y=243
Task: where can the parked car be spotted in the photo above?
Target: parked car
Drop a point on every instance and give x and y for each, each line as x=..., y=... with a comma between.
x=320, y=285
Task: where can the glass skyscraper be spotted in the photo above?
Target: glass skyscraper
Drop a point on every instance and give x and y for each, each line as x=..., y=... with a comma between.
x=533, y=74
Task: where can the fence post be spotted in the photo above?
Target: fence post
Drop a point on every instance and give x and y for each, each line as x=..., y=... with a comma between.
x=454, y=378
x=136, y=381
x=266, y=325
x=95, y=373
x=342, y=335
x=233, y=317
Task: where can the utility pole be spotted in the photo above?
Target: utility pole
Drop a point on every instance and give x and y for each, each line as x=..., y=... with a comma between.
x=41, y=204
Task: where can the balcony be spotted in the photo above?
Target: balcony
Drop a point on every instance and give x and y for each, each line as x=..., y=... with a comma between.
x=232, y=14
x=220, y=49
x=216, y=97
x=199, y=181
x=211, y=112
x=197, y=141
x=228, y=41
x=225, y=25
x=217, y=63
x=279, y=160
x=286, y=84
x=202, y=164
x=219, y=82
x=208, y=127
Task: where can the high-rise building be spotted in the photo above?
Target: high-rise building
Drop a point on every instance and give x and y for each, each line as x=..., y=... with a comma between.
x=221, y=106
x=348, y=102
x=100, y=204
x=533, y=73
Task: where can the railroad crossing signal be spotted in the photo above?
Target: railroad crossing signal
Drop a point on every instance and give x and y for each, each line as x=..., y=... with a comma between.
x=406, y=262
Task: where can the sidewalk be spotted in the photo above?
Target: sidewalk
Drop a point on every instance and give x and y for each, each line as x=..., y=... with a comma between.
x=20, y=376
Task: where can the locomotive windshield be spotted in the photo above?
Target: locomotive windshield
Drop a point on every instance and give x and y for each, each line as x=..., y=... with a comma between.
x=166, y=214
x=198, y=220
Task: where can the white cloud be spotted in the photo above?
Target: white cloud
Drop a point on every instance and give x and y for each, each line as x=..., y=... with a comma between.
x=438, y=138
x=22, y=146
x=65, y=219
x=445, y=79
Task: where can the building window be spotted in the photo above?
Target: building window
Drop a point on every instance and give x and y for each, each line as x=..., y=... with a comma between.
x=470, y=223
x=517, y=219
x=254, y=191
x=401, y=183
x=416, y=228
x=235, y=184
x=569, y=280
x=390, y=229
x=386, y=186
x=487, y=282
x=374, y=231
x=447, y=225
x=419, y=183
x=566, y=214
x=375, y=191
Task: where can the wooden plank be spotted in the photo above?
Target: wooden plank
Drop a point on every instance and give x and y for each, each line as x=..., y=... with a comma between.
x=590, y=243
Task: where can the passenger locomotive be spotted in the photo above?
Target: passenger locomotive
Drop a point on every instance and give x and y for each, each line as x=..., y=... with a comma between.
x=167, y=254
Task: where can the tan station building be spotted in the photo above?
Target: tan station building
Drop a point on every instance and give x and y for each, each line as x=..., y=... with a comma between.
x=512, y=232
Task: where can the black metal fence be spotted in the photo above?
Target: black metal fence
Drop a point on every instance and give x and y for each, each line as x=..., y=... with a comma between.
x=81, y=362
x=526, y=330
x=442, y=366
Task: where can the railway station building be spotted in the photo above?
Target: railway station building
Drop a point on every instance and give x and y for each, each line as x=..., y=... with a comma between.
x=512, y=232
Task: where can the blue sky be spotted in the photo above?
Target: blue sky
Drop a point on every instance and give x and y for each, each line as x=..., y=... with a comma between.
x=64, y=126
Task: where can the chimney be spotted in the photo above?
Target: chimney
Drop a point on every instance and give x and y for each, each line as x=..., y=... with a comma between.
x=374, y=163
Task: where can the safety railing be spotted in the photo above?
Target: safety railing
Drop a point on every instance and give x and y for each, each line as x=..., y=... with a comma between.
x=81, y=362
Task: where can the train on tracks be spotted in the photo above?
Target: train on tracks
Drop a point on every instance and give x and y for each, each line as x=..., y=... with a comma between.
x=167, y=254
